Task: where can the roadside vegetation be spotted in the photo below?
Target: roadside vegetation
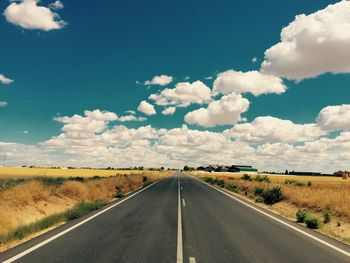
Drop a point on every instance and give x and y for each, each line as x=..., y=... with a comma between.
x=77, y=211
x=317, y=202
x=32, y=204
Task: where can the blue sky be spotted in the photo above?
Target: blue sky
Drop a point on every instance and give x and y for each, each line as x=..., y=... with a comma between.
x=101, y=55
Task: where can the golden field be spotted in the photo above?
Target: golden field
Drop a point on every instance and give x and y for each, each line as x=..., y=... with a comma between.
x=19, y=172
x=325, y=194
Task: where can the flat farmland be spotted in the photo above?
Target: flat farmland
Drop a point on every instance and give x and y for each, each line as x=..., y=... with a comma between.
x=23, y=172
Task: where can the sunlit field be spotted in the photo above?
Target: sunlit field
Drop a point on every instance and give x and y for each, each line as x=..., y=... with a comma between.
x=22, y=172
x=282, y=177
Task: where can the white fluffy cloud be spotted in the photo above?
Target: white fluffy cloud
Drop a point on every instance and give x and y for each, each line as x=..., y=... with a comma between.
x=56, y=5
x=169, y=111
x=132, y=112
x=5, y=80
x=312, y=45
x=269, y=129
x=252, y=81
x=29, y=15
x=91, y=140
x=333, y=118
x=146, y=108
x=226, y=111
x=3, y=104
x=130, y=118
x=92, y=122
x=161, y=80
x=183, y=94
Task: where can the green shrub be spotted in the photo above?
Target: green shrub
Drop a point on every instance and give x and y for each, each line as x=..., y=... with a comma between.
x=52, y=181
x=77, y=179
x=147, y=183
x=313, y=223
x=232, y=187
x=273, y=195
x=119, y=194
x=302, y=215
x=293, y=182
x=327, y=217
x=6, y=184
x=82, y=209
x=289, y=182
x=259, y=191
x=72, y=214
x=309, y=183
x=246, y=177
x=220, y=183
x=264, y=178
x=209, y=180
x=259, y=199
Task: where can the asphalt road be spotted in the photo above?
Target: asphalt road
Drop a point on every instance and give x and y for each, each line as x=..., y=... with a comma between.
x=215, y=228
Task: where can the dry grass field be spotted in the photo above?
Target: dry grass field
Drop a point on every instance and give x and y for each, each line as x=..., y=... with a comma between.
x=20, y=172
x=316, y=194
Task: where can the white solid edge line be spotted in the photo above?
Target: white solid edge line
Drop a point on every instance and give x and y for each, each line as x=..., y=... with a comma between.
x=280, y=221
x=192, y=260
x=179, y=256
x=29, y=250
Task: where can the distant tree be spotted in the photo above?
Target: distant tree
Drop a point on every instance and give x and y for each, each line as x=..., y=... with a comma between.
x=162, y=168
x=286, y=172
x=187, y=168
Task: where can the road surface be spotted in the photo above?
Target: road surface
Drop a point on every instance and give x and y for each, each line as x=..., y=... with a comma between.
x=180, y=219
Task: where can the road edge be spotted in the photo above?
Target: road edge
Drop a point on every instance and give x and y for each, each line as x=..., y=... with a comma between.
x=74, y=225
x=286, y=222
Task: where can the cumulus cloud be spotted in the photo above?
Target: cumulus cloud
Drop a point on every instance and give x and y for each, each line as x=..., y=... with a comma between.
x=226, y=111
x=3, y=104
x=29, y=15
x=169, y=111
x=83, y=126
x=91, y=140
x=161, y=80
x=132, y=112
x=269, y=129
x=5, y=80
x=56, y=5
x=312, y=45
x=183, y=94
x=243, y=82
x=146, y=108
x=130, y=118
x=333, y=118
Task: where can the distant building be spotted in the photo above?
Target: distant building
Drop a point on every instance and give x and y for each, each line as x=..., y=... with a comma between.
x=344, y=174
x=242, y=169
x=231, y=169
